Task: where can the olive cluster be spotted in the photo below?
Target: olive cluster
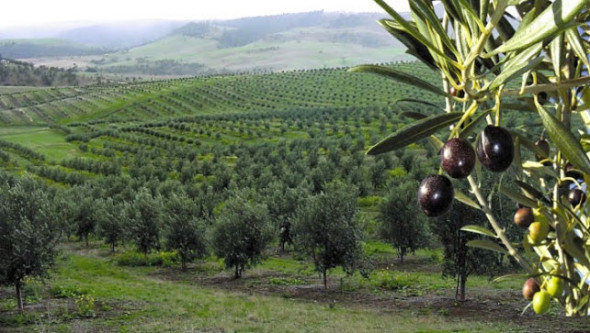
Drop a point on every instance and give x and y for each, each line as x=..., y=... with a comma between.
x=495, y=151
x=538, y=226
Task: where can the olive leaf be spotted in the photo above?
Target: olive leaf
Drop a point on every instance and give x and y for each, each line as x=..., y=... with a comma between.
x=461, y=197
x=486, y=245
x=531, y=191
x=521, y=63
x=399, y=76
x=479, y=230
x=556, y=18
x=565, y=141
x=517, y=197
x=414, y=132
x=414, y=47
x=419, y=101
x=470, y=127
x=410, y=29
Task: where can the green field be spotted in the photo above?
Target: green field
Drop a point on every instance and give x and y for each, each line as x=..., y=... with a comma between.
x=205, y=298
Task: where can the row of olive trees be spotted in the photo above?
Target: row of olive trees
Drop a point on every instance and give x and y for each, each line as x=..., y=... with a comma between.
x=239, y=228
x=33, y=218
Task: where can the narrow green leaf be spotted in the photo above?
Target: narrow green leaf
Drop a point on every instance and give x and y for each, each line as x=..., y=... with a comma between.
x=486, y=245
x=509, y=277
x=556, y=18
x=463, y=198
x=399, y=76
x=467, y=130
x=479, y=230
x=414, y=132
x=575, y=41
x=517, y=197
x=428, y=16
x=521, y=63
x=556, y=52
x=473, y=16
x=414, y=46
x=413, y=115
x=575, y=250
x=435, y=142
x=582, y=303
x=564, y=140
x=531, y=191
x=415, y=33
x=418, y=101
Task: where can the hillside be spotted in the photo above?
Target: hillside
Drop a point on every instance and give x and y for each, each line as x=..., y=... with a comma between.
x=273, y=43
x=262, y=44
x=18, y=73
x=306, y=89
x=44, y=47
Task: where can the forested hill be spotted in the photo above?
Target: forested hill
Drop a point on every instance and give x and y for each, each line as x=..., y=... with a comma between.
x=50, y=47
x=328, y=27
x=19, y=73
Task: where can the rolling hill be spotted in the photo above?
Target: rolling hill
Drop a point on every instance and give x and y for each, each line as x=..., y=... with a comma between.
x=256, y=44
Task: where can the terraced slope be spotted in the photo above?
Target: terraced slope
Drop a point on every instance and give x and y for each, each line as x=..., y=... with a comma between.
x=309, y=89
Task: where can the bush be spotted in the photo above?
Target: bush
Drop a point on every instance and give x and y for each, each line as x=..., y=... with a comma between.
x=136, y=259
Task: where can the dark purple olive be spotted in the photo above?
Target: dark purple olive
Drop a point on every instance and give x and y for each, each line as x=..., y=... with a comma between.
x=457, y=158
x=495, y=148
x=435, y=195
x=576, y=197
x=530, y=288
x=544, y=146
x=571, y=171
x=524, y=217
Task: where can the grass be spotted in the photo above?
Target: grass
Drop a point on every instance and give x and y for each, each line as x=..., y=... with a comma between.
x=107, y=297
x=43, y=140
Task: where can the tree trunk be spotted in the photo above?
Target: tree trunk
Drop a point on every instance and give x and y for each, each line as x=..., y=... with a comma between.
x=237, y=272
x=19, y=296
x=86, y=240
x=461, y=281
x=183, y=263
x=113, y=247
x=325, y=279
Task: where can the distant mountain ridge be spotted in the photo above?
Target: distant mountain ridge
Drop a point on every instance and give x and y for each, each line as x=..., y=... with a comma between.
x=307, y=40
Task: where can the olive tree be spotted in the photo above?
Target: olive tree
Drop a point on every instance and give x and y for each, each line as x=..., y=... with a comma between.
x=28, y=233
x=144, y=215
x=241, y=233
x=400, y=225
x=496, y=57
x=109, y=215
x=327, y=229
x=184, y=229
x=460, y=260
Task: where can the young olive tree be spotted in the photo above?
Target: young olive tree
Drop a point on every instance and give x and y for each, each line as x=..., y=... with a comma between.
x=109, y=215
x=241, y=233
x=144, y=215
x=497, y=57
x=185, y=231
x=399, y=224
x=327, y=229
x=460, y=260
x=28, y=234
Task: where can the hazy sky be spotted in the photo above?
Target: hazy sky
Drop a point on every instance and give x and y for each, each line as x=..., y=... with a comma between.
x=38, y=12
